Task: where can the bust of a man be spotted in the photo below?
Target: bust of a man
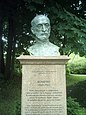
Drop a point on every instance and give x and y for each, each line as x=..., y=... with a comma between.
x=40, y=28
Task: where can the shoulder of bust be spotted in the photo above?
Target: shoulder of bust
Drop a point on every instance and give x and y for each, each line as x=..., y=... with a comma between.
x=32, y=49
x=54, y=46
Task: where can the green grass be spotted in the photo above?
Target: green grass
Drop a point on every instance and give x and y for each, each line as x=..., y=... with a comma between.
x=10, y=93
x=73, y=79
x=76, y=88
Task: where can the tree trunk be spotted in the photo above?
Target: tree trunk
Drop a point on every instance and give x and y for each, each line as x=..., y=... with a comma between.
x=1, y=48
x=9, y=48
x=13, y=49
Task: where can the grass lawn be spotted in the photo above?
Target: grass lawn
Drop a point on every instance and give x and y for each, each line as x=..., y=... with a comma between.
x=10, y=93
x=76, y=88
x=73, y=79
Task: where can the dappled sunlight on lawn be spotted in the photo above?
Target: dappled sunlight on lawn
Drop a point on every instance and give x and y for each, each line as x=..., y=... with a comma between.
x=73, y=79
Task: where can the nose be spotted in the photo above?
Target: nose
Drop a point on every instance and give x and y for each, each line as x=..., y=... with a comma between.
x=43, y=28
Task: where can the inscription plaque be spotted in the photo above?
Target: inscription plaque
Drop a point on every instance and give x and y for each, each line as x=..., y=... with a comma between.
x=43, y=87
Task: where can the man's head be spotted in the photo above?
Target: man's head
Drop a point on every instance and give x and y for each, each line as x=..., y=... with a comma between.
x=41, y=27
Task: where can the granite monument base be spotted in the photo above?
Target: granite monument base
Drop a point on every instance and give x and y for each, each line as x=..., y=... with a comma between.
x=43, y=85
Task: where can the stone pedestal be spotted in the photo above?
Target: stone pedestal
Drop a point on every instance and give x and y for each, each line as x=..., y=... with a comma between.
x=43, y=85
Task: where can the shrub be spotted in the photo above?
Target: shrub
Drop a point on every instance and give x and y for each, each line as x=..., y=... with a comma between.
x=17, y=68
x=18, y=108
x=77, y=66
x=78, y=91
x=73, y=107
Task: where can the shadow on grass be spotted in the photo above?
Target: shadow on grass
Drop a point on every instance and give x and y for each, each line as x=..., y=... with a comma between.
x=10, y=95
x=78, y=91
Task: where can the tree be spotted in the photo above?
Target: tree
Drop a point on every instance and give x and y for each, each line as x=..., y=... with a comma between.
x=1, y=41
x=8, y=8
x=1, y=48
x=77, y=7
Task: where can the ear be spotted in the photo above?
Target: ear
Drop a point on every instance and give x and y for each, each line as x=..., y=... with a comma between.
x=32, y=30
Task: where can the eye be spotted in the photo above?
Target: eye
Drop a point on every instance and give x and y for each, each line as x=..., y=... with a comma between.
x=39, y=26
x=47, y=25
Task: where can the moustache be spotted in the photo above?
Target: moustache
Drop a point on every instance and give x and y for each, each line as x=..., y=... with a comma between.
x=44, y=33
